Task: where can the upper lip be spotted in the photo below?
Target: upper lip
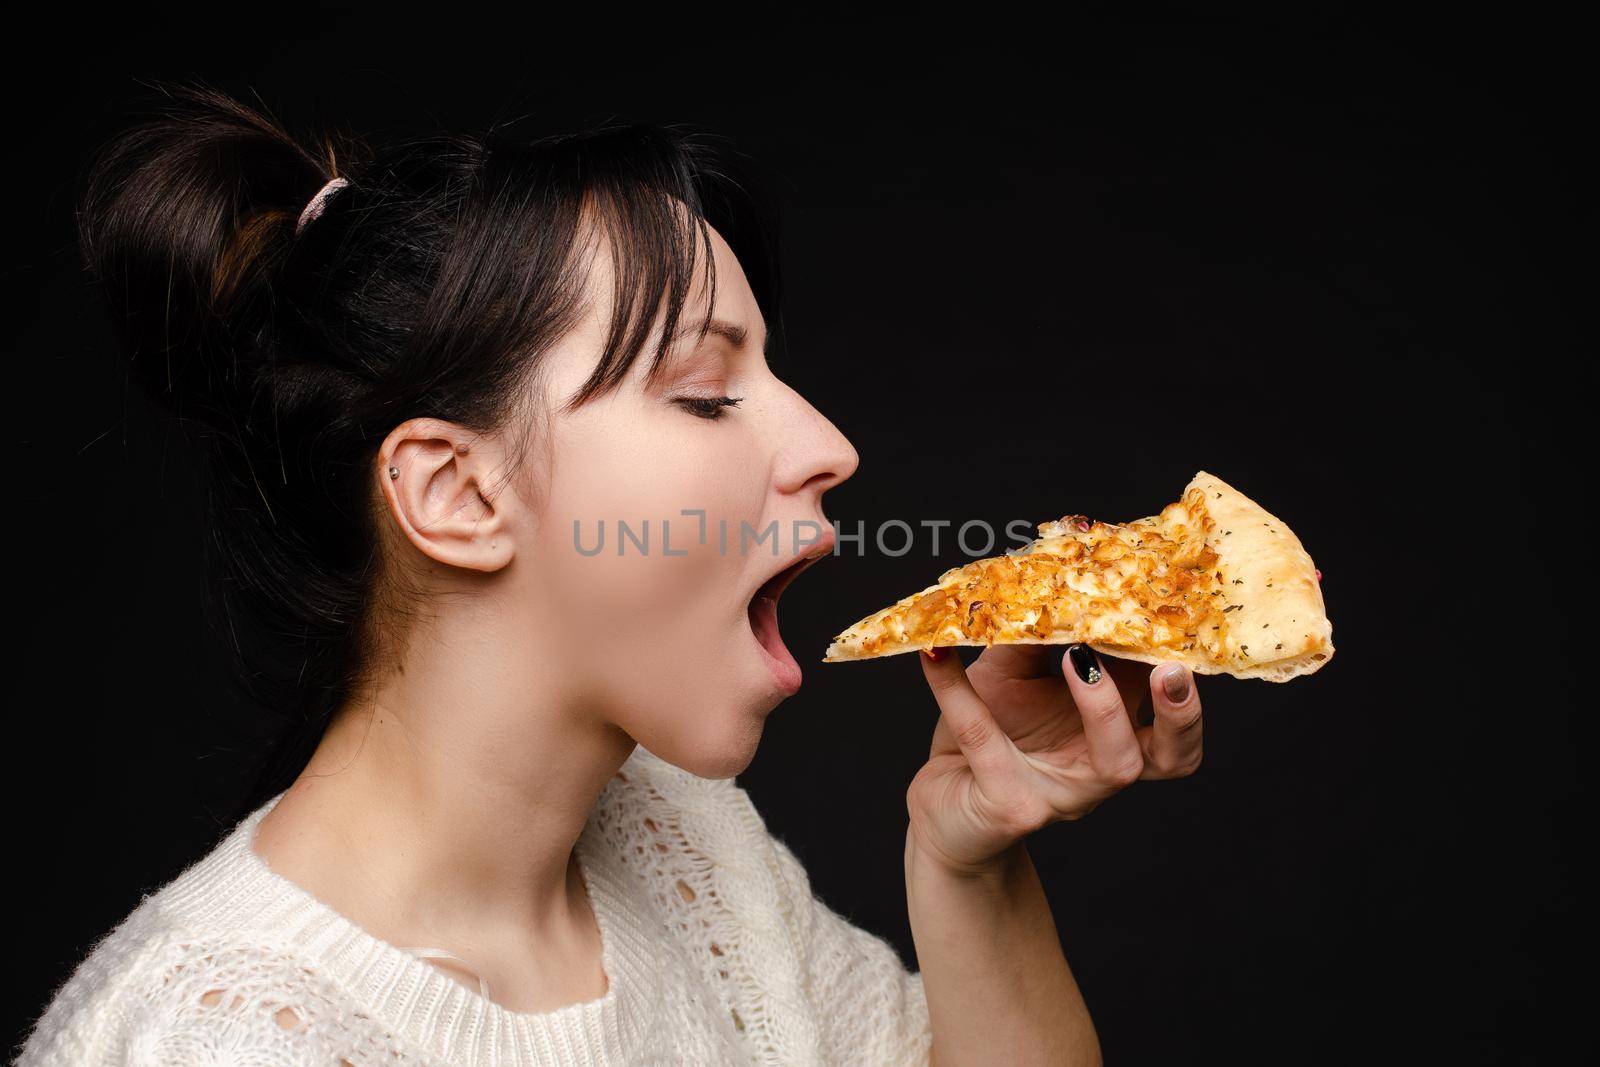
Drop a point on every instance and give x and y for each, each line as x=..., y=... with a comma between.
x=791, y=568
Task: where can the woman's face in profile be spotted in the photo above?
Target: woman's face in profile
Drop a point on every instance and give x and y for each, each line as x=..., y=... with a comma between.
x=657, y=512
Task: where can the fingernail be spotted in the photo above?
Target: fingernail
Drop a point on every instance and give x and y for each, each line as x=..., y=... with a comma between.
x=1085, y=662
x=933, y=653
x=1175, y=683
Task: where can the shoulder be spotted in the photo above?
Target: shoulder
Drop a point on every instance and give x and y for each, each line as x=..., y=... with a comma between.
x=156, y=992
x=80, y=1008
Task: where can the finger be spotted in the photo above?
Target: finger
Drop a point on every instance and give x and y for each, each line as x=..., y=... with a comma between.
x=1107, y=731
x=995, y=761
x=1172, y=742
x=1133, y=684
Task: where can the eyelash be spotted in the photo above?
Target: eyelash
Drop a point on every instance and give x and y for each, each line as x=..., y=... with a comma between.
x=707, y=407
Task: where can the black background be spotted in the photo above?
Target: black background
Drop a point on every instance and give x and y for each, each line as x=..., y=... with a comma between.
x=1031, y=269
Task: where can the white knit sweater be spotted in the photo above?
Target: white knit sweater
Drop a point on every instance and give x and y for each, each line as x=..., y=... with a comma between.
x=715, y=949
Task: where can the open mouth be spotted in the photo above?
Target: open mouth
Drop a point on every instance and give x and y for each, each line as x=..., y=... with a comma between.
x=763, y=612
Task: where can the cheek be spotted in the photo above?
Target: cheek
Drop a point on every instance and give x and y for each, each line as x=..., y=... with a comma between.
x=615, y=548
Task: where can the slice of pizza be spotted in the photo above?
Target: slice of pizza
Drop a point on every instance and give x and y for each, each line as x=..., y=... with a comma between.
x=1215, y=582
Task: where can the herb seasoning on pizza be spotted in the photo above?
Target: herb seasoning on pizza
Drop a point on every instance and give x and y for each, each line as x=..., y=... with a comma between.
x=1214, y=582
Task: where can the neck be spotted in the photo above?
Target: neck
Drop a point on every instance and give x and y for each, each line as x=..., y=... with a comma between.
x=443, y=809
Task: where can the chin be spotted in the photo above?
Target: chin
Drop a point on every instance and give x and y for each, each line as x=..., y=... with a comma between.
x=722, y=751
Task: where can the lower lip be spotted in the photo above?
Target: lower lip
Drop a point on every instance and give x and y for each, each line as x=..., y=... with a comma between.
x=764, y=624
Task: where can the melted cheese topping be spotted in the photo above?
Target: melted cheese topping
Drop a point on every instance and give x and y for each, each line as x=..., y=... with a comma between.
x=1145, y=585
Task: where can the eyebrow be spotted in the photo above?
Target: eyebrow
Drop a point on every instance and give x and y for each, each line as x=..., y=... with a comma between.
x=731, y=332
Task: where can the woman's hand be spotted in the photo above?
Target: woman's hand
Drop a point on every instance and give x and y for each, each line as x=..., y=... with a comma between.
x=1030, y=736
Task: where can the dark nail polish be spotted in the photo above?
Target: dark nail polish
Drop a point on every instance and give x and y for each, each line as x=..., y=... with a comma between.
x=1175, y=683
x=1085, y=662
x=933, y=653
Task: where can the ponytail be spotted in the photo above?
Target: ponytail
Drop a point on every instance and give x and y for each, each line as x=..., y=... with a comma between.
x=185, y=220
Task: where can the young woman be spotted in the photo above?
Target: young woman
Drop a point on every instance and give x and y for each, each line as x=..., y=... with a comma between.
x=428, y=379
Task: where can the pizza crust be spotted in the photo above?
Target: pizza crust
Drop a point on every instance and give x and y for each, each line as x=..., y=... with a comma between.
x=1261, y=615
x=1280, y=628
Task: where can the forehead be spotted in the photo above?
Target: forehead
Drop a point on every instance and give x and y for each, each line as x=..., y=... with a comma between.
x=735, y=301
x=569, y=363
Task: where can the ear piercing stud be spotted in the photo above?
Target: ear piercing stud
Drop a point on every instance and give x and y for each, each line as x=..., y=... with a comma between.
x=394, y=472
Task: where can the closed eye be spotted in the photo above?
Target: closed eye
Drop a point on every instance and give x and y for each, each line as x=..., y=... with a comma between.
x=706, y=407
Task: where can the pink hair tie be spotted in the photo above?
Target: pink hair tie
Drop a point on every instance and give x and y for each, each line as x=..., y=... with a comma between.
x=314, y=208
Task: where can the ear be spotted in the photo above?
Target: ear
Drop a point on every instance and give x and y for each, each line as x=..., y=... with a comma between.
x=436, y=477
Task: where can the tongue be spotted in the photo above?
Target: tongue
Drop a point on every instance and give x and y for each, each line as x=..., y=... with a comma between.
x=764, y=622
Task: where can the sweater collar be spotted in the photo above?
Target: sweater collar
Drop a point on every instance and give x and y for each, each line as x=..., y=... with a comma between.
x=234, y=889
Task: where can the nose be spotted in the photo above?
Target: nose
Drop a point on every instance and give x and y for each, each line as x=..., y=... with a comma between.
x=815, y=456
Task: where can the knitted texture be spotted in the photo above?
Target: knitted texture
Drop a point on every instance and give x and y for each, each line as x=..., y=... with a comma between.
x=715, y=949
